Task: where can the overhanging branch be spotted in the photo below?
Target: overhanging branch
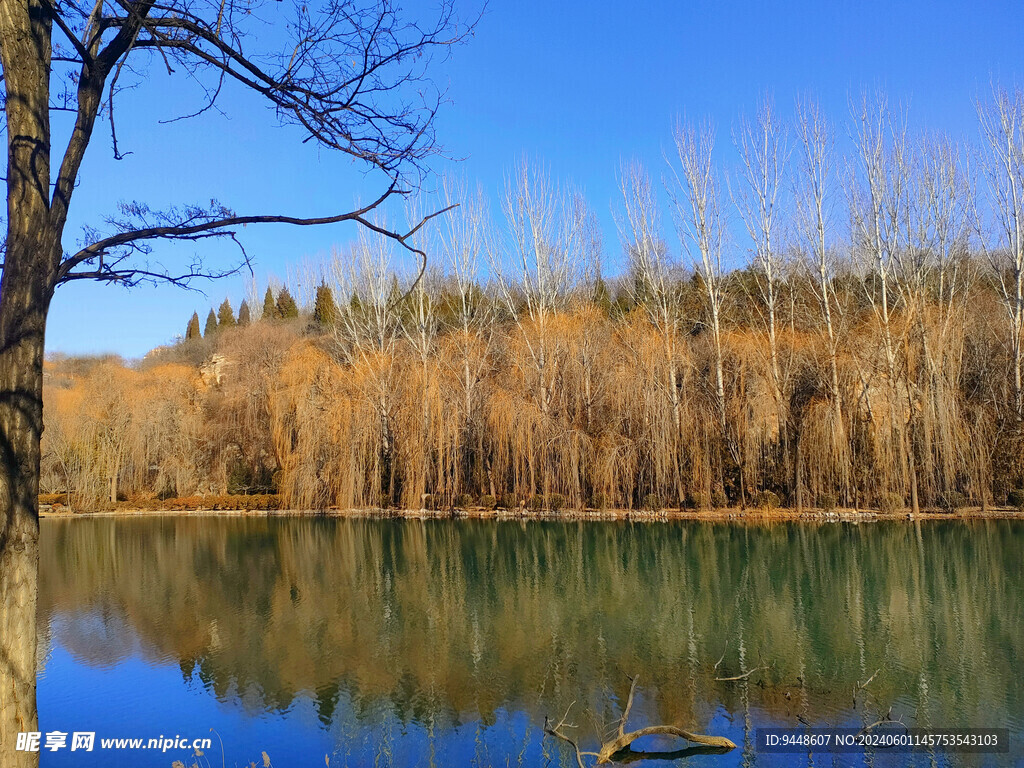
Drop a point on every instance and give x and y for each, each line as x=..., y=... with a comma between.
x=222, y=227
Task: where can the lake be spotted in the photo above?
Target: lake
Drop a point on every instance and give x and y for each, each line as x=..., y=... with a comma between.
x=422, y=643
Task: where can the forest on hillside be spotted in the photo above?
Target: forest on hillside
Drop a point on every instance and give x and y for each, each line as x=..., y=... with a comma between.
x=813, y=328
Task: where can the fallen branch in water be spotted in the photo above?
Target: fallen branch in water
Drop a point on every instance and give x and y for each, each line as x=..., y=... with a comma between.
x=618, y=749
x=744, y=676
x=861, y=686
x=557, y=732
x=886, y=720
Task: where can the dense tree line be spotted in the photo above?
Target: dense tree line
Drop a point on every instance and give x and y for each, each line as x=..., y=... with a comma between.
x=824, y=329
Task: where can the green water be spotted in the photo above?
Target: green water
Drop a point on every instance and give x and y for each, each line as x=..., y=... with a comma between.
x=447, y=642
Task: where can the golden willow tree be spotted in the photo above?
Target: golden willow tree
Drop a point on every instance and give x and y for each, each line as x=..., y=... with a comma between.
x=350, y=75
x=894, y=372
x=427, y=395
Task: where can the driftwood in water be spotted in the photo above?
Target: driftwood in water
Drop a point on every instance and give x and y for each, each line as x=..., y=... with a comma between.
x=735, y=678
x=618, y=749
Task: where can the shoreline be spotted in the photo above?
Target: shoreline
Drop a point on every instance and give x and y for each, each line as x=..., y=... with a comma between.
x=729, y=515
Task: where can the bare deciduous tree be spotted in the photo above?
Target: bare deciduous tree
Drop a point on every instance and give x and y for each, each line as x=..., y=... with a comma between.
x=345, y=73
x=544, y=230
x=465, y=238
x=655, y=284
x=696, y=198
x=764, y=151
x=880, y=210
x=1002, y=124
x=815, y=180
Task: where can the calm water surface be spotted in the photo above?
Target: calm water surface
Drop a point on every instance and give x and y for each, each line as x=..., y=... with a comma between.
x=408, y=643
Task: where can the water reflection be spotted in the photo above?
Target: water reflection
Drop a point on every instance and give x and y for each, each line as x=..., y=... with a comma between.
x=474, y=631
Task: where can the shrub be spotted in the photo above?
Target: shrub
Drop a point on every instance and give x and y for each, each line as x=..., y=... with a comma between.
x=890, y=502
x=952, y=501
x=463, y=501
x=718, y=499
x=1015, y=499
x=767, y=500
x=556, y=502
x=488, y=502
x=652, y=502
x=599, y=501
x=536, y=503
x=827, y=501
x=508, y=501
x=698, y=500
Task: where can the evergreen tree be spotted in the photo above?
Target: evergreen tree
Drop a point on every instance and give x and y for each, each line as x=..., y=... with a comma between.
x=211, y=325
x=287, y=309
x=193, y=331
x=325, y=312
x=602, y=296
x=244, y=317
x=396, y=292
x=269, y=307
x=225, y=315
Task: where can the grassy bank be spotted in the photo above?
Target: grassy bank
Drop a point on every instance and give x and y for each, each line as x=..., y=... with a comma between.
x=52, y=505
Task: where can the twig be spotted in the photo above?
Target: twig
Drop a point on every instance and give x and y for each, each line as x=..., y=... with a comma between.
x=629, y=705
x=556, y=731
x=884, y=721
x=861, y=686
x=721, y=659
x=744, y=676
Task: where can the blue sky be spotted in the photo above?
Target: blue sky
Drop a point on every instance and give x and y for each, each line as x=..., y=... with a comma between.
x=580, y=86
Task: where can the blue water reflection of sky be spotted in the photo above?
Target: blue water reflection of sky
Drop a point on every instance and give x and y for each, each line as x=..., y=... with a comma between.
x=138, y=696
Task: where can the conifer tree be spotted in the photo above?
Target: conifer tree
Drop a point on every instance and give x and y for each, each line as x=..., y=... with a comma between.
x=395, y=295
x=244, y=316
x=287, y=309
x=225, y=315
x=602, y=297
x=269, y=307
x=325, y=312
x=211, y=324
x=193, y=331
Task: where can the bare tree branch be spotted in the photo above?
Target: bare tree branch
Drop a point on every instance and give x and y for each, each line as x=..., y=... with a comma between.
x=618, y=749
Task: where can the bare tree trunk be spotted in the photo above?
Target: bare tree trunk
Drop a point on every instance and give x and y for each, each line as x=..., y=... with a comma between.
x=26, y=297
x=719, y=375
x=114, y=472
x=677, y=434
x=799, y=476
x=21, y=426
x=915, y=506
x=19, y=563
x=25, y=292
x=1018, y=357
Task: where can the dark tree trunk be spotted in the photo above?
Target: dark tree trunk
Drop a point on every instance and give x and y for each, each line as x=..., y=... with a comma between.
x=25, y=299
x=22, y=323
x=25, y=290
x=18, y=590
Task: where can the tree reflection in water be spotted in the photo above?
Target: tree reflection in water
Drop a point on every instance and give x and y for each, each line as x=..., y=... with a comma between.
x=444, y=622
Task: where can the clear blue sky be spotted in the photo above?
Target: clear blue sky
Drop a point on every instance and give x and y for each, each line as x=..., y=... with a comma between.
x=580, y=85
